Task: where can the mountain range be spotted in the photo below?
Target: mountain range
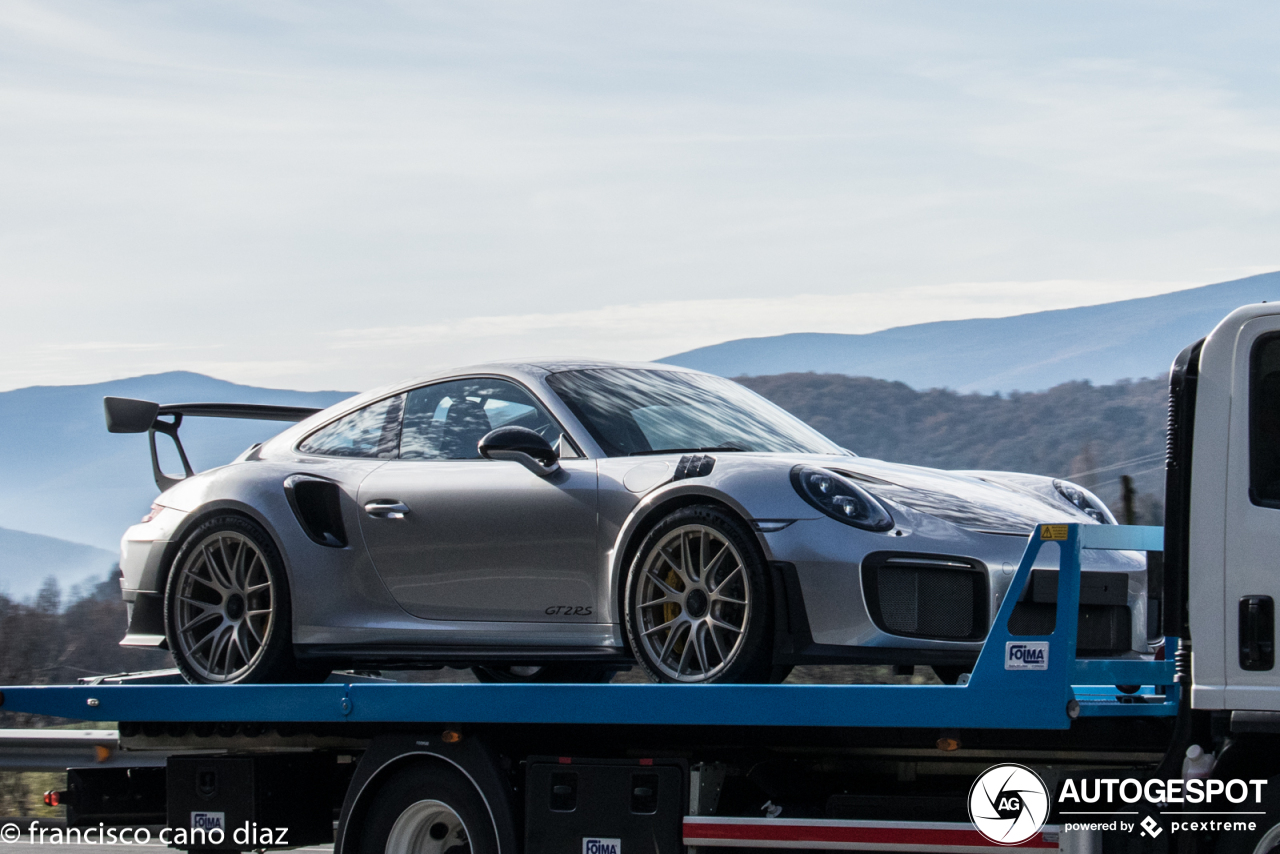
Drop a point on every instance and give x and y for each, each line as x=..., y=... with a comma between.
x=1129, y=339
x=26, y=560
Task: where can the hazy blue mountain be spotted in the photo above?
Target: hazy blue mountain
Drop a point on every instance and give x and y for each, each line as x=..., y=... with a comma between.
x=1101, y=343
x=26, y=560
x=63, y=475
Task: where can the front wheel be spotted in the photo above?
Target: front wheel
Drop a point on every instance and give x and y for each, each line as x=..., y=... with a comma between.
x=226, y=610
x=697, y=604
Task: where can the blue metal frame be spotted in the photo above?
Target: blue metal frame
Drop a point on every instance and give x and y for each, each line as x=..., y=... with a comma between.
x=994, y=698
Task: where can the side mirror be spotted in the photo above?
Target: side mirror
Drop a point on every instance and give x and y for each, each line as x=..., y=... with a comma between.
x=521, y=445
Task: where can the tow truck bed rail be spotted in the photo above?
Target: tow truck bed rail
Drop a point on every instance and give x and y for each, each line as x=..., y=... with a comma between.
x=996, y=695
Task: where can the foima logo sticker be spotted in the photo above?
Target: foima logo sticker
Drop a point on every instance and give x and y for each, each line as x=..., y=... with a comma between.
x=1026, y=655
x=208, y=821
x=591, y=845
x=1008, y=804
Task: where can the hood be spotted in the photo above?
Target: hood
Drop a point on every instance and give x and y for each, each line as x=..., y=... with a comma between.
x=989, y=502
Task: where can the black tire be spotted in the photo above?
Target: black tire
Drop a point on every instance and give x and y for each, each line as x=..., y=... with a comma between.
x=1266, y=827
x=404, y=792
x=569, y=671
x=227, y=611
x=728, y=609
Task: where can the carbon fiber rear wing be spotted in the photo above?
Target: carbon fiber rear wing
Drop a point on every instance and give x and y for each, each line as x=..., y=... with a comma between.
x=126, y=415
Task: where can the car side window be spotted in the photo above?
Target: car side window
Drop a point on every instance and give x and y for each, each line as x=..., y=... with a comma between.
x=446, y=421
x=372, y=432
x=1264, y=423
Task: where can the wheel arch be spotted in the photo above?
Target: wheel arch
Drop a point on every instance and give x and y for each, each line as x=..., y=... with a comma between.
x=391, y=754
x=152, y=620
x=204, y=514
x=652, y=510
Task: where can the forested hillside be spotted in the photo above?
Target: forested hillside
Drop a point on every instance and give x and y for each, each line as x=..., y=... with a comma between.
x=1093, y=434
x=1032, y=352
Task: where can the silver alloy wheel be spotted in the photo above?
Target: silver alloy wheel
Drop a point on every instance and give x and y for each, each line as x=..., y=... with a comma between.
x=692, y=604
x=224, y=607
x=427, y=827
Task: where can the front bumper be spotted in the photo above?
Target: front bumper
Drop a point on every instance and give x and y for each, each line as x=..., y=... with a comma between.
x=827, y=614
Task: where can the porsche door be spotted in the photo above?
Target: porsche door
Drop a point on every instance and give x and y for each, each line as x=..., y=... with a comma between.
x=456, y=537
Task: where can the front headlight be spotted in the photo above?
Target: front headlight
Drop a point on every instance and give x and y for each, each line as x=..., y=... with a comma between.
x=1084, y=500
x=840, y=498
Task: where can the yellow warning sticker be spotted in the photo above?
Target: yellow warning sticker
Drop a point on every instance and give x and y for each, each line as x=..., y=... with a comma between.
x=1053, y=532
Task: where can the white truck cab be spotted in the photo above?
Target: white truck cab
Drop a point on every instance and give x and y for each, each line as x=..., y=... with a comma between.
x=1223, y=521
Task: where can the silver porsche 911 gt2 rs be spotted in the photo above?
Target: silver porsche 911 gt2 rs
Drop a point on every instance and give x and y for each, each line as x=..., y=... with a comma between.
x=557, y=521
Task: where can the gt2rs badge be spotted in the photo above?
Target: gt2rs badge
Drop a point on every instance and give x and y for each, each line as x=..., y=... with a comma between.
x=568, y=611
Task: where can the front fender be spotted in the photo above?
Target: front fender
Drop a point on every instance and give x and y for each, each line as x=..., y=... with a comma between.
x=743, y=486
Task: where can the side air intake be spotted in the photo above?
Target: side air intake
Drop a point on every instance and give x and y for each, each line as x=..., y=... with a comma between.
x=316, y=505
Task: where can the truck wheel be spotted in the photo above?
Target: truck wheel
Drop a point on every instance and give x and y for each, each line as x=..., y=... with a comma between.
x=567, y=672
x=697, y=601
x=428, y=809
x=1266, y=835
x=226, y=606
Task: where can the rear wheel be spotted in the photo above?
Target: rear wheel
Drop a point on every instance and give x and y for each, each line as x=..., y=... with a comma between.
x=697, y=601
x=428, y=809
x=226, y=612
x=565, y=672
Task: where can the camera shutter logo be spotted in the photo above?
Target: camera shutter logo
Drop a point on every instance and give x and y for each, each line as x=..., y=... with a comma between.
x=1008, y=804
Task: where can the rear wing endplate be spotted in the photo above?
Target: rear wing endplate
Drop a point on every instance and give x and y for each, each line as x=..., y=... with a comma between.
x=126, y=415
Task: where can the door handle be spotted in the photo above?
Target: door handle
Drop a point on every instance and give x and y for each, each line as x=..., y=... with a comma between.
x=1257, y=633
x=386, y=509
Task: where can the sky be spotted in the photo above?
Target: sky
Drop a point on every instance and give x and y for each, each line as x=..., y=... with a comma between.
x=337, y=195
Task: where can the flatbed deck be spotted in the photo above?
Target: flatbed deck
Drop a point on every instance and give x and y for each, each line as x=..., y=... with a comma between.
x=995, y=696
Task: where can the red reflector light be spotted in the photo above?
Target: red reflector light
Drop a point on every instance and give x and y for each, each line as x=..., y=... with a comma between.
x=52, y=799
x=566, y=760
x=646, y=761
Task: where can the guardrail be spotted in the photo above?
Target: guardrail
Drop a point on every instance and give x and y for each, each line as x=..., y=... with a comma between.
x=59, y=749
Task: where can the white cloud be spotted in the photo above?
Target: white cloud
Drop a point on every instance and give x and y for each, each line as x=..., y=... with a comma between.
x=358, y=358
x=241, y=188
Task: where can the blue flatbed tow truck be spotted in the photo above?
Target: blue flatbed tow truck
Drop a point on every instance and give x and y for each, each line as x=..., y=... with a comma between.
x=1036, y=747
x=637, y=766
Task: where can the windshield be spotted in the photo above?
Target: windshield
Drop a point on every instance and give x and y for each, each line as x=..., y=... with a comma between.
x=630, y=412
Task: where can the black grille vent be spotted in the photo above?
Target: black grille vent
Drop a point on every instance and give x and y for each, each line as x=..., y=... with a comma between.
x=694, y=465
x=1104, y=618
x=1102, y=629
x=926, y=596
